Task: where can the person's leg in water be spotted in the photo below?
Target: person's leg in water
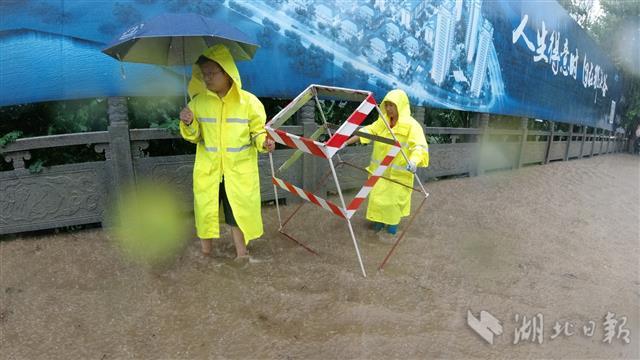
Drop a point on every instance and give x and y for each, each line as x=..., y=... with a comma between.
x=392, y=229
x=238, y=239
x=236, y=233
x=206, y=246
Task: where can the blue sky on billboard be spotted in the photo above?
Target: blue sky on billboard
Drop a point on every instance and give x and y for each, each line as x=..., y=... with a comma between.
x=508, y=57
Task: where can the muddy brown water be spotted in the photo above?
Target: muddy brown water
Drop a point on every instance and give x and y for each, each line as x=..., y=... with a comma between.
x=561, y=240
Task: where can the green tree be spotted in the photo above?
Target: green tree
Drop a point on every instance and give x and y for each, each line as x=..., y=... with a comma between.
x=582, y=11
x=617, y=32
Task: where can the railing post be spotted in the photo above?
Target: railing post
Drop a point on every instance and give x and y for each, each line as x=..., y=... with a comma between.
x=567, y=151
x=584, y=137
x=484, y=139
x=618, y=142
x=17, y=158
x=593, y=141
x=119, y=143
x=524, y=123
x=550, y=142
x=474, y=123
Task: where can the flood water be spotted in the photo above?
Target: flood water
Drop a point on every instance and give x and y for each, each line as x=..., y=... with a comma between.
x=560, y=240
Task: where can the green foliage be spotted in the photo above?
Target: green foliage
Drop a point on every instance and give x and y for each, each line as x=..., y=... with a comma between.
x=336, y=112
x=78, y=116
x=9, y=138
x=172, y=125
x=616, y=32
x=446, y=118
x=48, y=118
x=438, y=139
x=157, y=112
x=582, y=11
x=36, y=167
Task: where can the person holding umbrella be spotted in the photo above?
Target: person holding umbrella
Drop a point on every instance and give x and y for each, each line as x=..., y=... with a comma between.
x=227, y=124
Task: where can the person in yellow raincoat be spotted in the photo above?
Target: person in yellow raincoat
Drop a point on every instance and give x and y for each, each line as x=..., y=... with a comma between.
x=227, y=124
x=388, y=201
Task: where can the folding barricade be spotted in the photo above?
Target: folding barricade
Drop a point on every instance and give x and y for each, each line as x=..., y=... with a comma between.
x=328, y=150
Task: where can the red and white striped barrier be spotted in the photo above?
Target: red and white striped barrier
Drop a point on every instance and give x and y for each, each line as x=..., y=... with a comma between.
x=348, y=127
x=298, y=142
x=327, y=150
x=373, y=179
x=336, y=141
x=357, y=200
x=327, y=205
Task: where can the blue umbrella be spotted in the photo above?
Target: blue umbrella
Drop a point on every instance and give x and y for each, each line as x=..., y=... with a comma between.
x=178, y=39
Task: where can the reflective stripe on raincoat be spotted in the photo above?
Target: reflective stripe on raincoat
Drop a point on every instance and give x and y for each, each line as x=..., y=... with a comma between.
x=388, y=201
x=229, y=133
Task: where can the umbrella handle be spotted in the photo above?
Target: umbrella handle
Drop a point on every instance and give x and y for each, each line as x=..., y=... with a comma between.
x=184, y=83
x=184, y=75
x=123, y=75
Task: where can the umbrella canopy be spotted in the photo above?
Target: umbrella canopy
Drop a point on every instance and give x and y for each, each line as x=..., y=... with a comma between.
x=178, y=39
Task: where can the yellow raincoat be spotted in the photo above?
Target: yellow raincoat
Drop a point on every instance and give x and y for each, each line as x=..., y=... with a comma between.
x=388, y=201
x=229, y=132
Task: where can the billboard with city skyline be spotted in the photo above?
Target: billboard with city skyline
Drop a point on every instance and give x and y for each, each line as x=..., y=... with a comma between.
x=516, y=58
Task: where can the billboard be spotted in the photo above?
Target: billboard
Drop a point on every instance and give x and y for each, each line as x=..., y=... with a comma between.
x=518, y=58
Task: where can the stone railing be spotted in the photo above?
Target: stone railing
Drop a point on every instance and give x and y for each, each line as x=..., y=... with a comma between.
x=75, y=194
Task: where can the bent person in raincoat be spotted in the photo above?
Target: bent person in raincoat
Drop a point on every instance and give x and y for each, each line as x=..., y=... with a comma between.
x=388, y=201
x=227, y=124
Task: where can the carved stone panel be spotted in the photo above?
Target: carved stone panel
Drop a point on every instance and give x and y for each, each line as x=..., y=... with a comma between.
x=499, y=155
x=173, y=170
x=558, y=150
x=449, y=159
x=534, y=152
x=596, y=147
x=178, y=171
x=59, y=196
x=574, y=149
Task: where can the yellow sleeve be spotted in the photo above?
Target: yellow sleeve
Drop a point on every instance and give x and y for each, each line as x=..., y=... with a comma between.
x=191, y=132
x=375, y=128
x=257, y=118
x=418, y=147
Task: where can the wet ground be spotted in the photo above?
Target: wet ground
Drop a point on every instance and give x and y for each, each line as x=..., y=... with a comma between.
x=561, y=240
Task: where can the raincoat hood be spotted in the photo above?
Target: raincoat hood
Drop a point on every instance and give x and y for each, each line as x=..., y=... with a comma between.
x=401, y=100
x=221, y=55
